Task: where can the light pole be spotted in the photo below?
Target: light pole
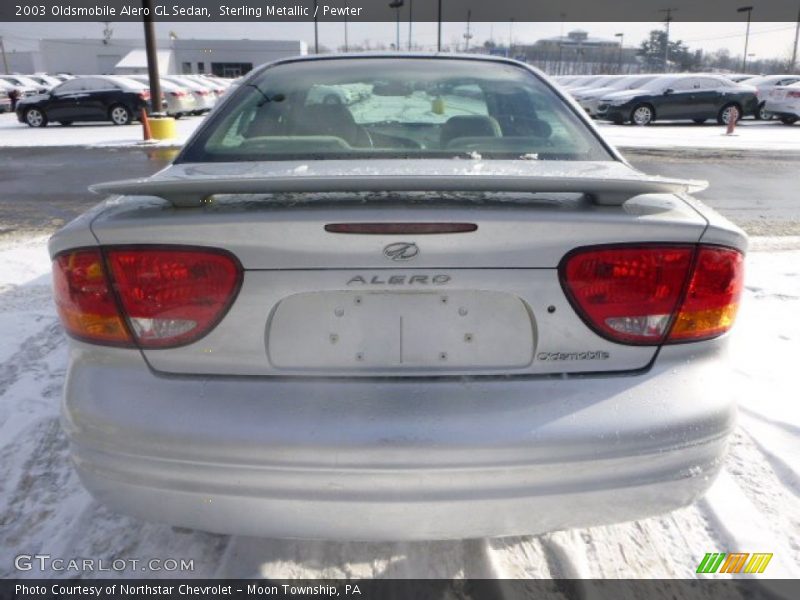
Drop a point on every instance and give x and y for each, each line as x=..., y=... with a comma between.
x=510, y=36
x=316, y=30
x=467, y=35
x=793, y=66
x=439, y=30
x=152, y=58
x=397, y=5
x=410, y=21
x=621, y=37
x=749, y=11
x=667, y=19
x=346, y=45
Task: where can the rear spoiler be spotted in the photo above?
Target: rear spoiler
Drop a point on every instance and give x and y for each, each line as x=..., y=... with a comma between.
x=195, y=192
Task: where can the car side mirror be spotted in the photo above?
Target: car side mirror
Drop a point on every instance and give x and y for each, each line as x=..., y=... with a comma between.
x=668, y=91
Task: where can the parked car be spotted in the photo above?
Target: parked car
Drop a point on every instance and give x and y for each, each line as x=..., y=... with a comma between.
x=25, y=83
x=46, y=82
x=739, y=77
x=94, y=98
x=581, y=80
x=205, y=81
x=765, y=85
x=5, y=101
x=589, y=99
x=783, y=102
x=204, y=97
x=397, y=323
x=10, y=92
x=180, y=100
x=591, y=83
x=15, y=92
x=680, y=97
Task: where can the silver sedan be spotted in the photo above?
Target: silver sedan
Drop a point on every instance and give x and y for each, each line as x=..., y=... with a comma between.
x=448, y=309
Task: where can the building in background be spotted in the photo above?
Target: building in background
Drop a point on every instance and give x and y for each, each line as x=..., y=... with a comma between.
x=225, y=58
x=24, y=61
x=577, y=53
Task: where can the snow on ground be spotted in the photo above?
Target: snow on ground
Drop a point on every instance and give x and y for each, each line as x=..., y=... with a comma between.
x=16, y=134
x=750, y=135
x=771, y=136
x=754, y=506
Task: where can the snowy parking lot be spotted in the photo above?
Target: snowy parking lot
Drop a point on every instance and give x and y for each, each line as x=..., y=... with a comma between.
x=749, y=135
x=753, y=506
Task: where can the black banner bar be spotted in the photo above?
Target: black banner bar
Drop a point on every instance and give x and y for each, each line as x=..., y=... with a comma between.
x=380, y=10
x=412, y=589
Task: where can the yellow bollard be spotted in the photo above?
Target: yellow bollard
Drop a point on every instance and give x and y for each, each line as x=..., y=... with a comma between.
x=163, y=128
x=437, y=106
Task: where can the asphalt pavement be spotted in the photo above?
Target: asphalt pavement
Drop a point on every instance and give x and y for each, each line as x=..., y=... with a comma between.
x=43, y=188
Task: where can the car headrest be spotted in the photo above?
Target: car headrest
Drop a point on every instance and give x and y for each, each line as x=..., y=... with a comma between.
x=468, y=126
x=328, y=119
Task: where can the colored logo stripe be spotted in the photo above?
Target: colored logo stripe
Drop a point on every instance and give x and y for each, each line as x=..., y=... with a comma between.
x=758, y=563
x=710, y=563
x=734, y=562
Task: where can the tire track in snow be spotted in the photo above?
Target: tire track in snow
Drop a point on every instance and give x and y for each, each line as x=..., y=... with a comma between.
x=772, y=445
x=31, y=351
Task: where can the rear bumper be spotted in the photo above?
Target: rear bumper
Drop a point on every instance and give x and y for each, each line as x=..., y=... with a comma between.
x=381, y=459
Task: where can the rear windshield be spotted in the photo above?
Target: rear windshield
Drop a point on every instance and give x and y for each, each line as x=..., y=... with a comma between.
x=394, y=108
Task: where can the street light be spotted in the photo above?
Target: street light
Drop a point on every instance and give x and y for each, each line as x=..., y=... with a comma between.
x=316, y=30
x=749, y=11
x=439, y=28
x=410, y=21
x=397, y=5
x=467, y=35
x=621, y=37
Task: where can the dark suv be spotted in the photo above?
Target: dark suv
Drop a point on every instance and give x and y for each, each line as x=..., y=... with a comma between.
x=680, y=97
x=93, y=98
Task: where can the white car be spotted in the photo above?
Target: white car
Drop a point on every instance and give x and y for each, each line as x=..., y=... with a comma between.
x=44, y=80
x=589, y=99
x=784, y=103
x=765, y=85
x=180, y=100
x=20, y=85
x=204, y=97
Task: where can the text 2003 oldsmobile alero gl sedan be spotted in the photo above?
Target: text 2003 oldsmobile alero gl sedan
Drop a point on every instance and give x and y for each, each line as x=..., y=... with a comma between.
x=445, y=309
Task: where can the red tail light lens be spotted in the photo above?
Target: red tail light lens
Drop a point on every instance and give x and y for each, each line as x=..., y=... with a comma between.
x=627, y=294
x=712, y=299
x=650, y=294
x=169, y=296
x=84, y=300
x=172, y=297
x=793, y=94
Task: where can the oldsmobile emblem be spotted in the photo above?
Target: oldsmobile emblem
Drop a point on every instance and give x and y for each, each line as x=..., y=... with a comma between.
x=401, y=251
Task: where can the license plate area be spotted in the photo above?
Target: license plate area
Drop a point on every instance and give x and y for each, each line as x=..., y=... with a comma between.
x=387, y=330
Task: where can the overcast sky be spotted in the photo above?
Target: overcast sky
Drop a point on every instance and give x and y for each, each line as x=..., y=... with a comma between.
x=767, y=40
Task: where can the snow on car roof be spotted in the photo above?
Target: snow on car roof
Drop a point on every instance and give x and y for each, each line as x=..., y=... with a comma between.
x=124, y=82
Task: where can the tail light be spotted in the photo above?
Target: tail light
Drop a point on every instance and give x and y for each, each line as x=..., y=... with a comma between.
x=793, y=94
x=153, y=297
x=712, y=298
x=84, y=300
x=653, y=294
x=144, y=95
